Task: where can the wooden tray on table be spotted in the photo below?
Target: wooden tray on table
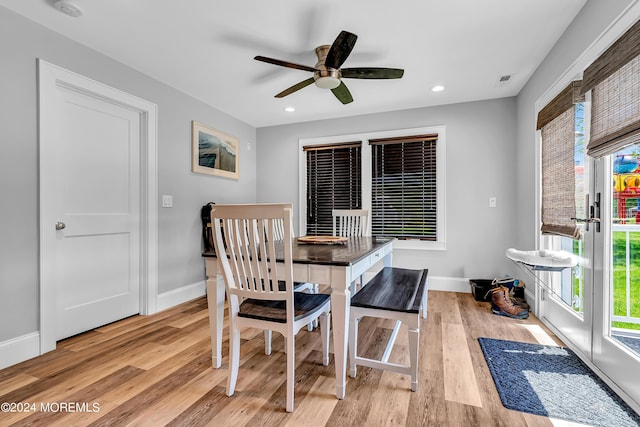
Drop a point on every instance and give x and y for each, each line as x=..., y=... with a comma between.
x=323, y=240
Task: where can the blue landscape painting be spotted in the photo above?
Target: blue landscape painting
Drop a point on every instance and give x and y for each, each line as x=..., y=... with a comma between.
x=215, y=153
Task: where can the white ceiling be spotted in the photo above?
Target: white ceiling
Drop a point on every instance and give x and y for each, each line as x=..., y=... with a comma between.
x=205, y=48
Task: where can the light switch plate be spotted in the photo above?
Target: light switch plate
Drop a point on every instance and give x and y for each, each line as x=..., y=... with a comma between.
x=167, y=201
x=493, y=202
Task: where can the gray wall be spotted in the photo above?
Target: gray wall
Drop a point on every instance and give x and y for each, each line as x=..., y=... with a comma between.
x=590, y=23
x=480, y=150
x=180, y=263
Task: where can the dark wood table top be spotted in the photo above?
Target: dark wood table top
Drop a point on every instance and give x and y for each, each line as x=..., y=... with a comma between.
x=354, y=250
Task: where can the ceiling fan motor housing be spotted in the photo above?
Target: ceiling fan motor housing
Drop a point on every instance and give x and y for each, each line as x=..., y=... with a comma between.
x=325, y=77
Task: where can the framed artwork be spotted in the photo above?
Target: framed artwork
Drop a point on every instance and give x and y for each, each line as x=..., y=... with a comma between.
x=214, y=152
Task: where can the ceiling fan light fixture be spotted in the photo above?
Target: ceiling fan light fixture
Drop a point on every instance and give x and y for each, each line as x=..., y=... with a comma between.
x=327, y=82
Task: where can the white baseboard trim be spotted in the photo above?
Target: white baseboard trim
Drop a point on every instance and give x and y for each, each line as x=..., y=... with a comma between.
x=449, y=284
x=19, y=349
x=439, y=283
x=178, y=296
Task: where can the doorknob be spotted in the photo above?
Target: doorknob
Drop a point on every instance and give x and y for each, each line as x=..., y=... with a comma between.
x=60, y=226
x=594, y=213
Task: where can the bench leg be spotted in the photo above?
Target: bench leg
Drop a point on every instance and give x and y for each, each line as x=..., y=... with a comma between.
x=414, y=339
x=353, y=344
x=267, y=342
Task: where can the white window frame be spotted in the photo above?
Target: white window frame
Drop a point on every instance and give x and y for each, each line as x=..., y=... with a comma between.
x=413, y=244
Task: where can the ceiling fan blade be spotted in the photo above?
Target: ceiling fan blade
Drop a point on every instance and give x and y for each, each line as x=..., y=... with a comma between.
x=372, y=73
x=340, y=49
x=284, y=63
x=342, y=93
x=295, y=88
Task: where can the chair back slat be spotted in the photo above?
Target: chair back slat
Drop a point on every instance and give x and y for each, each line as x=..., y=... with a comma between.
x=245, y=240
x=350, y=222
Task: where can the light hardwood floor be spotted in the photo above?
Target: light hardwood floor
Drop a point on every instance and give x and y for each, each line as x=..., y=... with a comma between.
x=156, y=370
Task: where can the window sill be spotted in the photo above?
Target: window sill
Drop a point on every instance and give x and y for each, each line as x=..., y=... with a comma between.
x=419, y=245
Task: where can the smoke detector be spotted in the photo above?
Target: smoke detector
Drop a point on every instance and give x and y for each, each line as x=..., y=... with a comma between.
x=68, y=8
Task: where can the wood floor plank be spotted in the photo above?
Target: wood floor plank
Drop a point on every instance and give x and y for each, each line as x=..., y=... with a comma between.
x=156, y=370
x=89, y=395
x=317, y=405
x=16, y=382
x=180, y=399
x=117, y=396
x=445, y=303
x=427, y=405
x=459, y=376
x=128, y=410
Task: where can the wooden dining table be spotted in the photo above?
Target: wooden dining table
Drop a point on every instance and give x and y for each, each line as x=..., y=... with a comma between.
x=335, y=265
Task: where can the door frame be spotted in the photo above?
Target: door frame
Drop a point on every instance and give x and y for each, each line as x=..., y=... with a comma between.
x=50, y=77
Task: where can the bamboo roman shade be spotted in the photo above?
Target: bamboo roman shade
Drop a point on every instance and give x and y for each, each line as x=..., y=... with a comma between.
x=614, y=81
x=334, y=181
x=403, y=187
x=557, y=122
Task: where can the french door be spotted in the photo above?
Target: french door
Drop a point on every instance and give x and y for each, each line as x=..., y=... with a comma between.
x=616, y=327
x=595, y=307
x=565, y=296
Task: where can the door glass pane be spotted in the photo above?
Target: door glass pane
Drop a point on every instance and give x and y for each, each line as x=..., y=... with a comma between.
x=569, y=288
x=625, y=248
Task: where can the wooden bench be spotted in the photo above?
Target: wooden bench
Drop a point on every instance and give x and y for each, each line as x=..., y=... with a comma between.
x=394, y=293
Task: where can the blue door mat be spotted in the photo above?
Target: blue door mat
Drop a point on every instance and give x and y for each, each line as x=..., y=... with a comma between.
x=553, y=382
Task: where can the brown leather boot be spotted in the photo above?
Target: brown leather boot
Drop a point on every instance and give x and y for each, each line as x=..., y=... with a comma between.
x=502, y=305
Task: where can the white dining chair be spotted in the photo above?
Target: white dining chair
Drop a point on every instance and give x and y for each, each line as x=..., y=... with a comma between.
x=278, y=234
x=349, y=223
x=260, y=291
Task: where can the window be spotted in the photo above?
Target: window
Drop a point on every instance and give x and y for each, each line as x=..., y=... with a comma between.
x=333, y=182
x=403, y=187
x=399, y=176
x=557, y=123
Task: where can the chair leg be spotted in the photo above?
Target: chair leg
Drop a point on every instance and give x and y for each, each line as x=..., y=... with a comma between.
x=267, y=342
x=324, y=333
x=234, y=360
x=291, y=374
x=353, y=344
x=414, y=338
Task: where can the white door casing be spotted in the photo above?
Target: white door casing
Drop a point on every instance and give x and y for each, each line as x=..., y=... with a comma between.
x=110, y=207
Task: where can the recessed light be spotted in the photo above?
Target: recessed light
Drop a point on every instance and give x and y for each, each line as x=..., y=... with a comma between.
x=438, y=88
x=68, y=8
x=289, y=109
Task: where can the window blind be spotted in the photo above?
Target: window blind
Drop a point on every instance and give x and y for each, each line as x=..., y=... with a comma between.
x=403, y=187
x=614, y=81
x=558, y=176
x=334, y=181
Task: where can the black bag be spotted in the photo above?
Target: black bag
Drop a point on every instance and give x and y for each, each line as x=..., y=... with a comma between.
x=207, y=230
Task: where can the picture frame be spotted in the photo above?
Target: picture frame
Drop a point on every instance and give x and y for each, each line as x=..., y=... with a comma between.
x=214, y=152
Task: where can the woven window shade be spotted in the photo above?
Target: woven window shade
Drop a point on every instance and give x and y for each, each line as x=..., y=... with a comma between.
x=561, y=103
x=615, y=111
x=558, y=176
x=333, y=182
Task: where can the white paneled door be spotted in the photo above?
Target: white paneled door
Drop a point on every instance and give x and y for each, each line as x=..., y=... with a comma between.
x=91, y=226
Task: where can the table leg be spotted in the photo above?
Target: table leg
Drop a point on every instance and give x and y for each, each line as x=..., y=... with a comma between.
x=340, y=308
x=215, y=301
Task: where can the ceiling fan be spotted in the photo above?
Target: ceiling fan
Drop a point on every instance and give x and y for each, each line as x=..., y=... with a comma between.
x=327, y=73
